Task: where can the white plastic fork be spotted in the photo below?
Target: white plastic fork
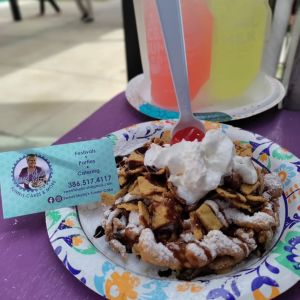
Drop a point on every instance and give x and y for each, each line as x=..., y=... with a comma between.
x=187, y=127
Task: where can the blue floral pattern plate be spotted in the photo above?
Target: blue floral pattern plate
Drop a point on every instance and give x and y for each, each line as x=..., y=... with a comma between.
x=259, y=279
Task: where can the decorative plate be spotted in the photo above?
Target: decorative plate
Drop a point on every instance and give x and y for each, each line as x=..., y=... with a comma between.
x=138, y=95
x=263, y=278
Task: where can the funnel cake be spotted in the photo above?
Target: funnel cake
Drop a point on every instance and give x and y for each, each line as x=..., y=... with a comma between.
x=148, y=217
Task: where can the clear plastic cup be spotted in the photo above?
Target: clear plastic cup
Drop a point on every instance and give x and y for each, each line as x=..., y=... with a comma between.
x=225, y=44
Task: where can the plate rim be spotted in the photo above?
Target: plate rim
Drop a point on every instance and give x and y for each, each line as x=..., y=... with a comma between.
x=226, y=115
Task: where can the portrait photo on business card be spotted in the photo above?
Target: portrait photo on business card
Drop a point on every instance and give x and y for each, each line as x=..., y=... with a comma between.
x=32, y=172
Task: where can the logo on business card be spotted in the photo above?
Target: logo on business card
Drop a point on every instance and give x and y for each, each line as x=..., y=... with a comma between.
x=32, y=172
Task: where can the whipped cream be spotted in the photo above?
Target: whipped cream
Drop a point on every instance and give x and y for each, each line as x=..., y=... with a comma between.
x=199, y=167
x=244, y=167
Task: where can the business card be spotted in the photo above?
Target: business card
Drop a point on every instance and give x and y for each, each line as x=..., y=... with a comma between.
x=41, y=179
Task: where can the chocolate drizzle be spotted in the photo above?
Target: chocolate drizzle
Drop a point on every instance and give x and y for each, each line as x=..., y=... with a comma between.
x=99, y=232
x=199, y=245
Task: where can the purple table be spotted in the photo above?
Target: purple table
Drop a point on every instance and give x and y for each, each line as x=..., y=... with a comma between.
x=29, y=268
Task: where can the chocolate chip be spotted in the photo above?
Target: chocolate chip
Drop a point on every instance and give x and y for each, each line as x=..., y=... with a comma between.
x=128, y=248
x=167, y=232
x=99, y=232
x=119, y=236
x=132, y=165
x=233, y=181
x=163, y=235
x=165, y=273
x=151, y=169
x=275, y=193
x=120, y=161
x=185, y=214
x=143, y=149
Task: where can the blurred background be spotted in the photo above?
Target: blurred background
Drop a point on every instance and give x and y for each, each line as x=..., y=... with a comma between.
x=55, y=70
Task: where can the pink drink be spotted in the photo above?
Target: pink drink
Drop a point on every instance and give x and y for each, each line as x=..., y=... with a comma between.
x=198, y=23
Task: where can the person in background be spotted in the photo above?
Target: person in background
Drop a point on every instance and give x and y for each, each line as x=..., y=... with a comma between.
x=52, y=2
x=86, y=10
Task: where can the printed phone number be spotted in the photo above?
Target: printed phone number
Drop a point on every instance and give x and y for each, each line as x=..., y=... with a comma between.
x=89, y=181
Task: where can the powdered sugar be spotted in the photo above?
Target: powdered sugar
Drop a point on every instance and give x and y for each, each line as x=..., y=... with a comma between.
x=242, y=245
x=119, y=200
x=117, y=225
x=128, y=197
x=198, y=252
x=267, y=196
x=107, y=213
x=134, y=218
x=214, y=206
x=112, y=215
x=118, y=247
x=135, y=229
x=123, y=220
x=187, y=237
x=268, y=206
x=259, y=220
x=220, y=243
x=247, y=237
x=158, y=250
x=272, y=181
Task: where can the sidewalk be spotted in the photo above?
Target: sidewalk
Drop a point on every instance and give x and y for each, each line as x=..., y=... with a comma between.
x=55, y=70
